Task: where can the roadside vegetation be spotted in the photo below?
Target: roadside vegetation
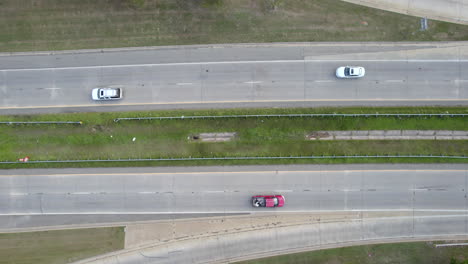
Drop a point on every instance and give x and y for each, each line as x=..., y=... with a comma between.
x=402, y=253
x=84, y=24
x=101, y=138
x=59, y=246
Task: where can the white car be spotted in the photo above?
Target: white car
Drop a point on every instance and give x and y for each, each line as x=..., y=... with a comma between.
x=99, y=94
x=350, y=72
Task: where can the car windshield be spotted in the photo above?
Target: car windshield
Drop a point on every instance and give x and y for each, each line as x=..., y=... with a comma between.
x=275, y=200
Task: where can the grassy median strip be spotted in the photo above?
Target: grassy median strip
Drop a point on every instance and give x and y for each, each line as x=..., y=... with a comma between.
x=57, y=25
x=101, y=138
x=402, y=253
x=59, y=246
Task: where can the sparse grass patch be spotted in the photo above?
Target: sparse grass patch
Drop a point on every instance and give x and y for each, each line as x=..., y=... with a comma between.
x=59, y=25
x=59, y=246
x=402, y=253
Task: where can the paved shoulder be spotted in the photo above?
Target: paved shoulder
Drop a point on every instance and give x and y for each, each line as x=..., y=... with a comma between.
x=446, y=10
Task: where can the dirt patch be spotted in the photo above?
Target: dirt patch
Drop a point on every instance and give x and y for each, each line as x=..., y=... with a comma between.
x=318, y=135
x=214, y=137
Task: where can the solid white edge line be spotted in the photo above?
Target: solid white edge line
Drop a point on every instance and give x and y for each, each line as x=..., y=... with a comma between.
x=261, y=211
x=222, y=62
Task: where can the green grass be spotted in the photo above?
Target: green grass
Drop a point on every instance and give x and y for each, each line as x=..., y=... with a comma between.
x=60, y=246
x=76, y=24
x=401, y=253
x=101, y=138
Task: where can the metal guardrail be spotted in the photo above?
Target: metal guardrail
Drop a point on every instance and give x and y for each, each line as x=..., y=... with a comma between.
x=238, y=116
x=239, y=158
x=288, y=115
x=42, y=122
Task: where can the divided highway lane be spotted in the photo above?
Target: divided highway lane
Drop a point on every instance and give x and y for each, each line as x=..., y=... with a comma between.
x=296, y=73
x=246, y=81
x=310, y=190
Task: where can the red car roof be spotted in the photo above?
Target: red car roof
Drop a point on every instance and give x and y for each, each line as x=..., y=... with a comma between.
x=270, y=202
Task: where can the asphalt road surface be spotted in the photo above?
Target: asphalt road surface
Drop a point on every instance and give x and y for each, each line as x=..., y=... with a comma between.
x=429, y=202
x=299, y=74
x=229, y=190
x=274, y=241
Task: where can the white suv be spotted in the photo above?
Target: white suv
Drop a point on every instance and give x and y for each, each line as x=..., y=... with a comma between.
x=99, y=94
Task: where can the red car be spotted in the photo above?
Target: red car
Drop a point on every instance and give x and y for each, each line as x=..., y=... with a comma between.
x=268, y=201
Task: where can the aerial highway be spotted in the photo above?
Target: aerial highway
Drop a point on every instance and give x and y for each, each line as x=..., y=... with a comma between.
x=214, y=190
x=98, y=191
x=424, y=201
x=290, y=74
